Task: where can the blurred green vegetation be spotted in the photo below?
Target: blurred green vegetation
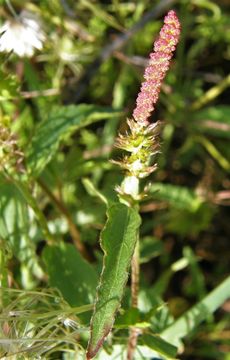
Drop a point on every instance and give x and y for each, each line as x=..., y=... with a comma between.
x=60, y=112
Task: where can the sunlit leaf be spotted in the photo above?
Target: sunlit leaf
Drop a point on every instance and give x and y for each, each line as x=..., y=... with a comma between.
x=118, y=241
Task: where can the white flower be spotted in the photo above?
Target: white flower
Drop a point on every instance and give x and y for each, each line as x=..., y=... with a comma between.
x=22, y=35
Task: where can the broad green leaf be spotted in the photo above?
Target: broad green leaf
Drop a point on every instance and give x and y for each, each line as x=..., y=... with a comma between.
x=179, y=197
x=159, y=345
x=118, y=240
x=70, y=273
x=60, y=123
x=198, y=313
x=214, y=120
x=13, y=215
x=14, y=230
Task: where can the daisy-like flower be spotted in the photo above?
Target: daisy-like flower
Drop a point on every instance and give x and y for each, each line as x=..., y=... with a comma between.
x=22, y=35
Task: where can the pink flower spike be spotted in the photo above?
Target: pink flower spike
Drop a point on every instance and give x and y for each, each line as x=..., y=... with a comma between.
x=157, y=68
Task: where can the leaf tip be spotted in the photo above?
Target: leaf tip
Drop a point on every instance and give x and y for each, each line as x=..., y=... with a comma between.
x=94, y=347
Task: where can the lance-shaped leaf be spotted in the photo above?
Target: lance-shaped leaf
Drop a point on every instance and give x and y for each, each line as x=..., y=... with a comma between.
x=118, y=241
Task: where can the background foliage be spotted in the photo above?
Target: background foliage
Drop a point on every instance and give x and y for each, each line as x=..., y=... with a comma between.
x=65, y=106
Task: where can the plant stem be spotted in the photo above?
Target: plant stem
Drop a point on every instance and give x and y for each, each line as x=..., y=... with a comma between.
x=135, y=270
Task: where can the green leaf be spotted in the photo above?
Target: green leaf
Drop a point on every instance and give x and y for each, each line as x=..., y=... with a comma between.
x=179, y=197
x=13, y=215
x=60, y=123
x=70, y=273
x=158, y=344
x=14, y=230
x=118, y=240
x=198, y=313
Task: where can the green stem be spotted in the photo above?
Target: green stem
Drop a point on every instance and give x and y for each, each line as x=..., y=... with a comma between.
x=135, y=271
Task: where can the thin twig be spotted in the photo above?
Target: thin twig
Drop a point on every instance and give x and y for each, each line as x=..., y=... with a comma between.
x=211, y=94
x=72, y=227
x=39, y=93
x=134, y=60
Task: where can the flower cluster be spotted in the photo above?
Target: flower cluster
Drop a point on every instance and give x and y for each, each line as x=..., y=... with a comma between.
x=157, y=68
x=141, y=140
x=141, y=143
x=22, y=35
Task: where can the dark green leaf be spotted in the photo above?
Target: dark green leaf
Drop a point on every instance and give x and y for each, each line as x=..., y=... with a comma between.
x=118, y=241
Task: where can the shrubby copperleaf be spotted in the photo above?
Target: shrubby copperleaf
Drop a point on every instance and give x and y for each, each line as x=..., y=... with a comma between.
x=56, y=182
x=141, y=144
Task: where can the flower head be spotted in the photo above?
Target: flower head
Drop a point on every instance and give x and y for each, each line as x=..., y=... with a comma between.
x=22, y=35
x=157, y=68
x=141, y=141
